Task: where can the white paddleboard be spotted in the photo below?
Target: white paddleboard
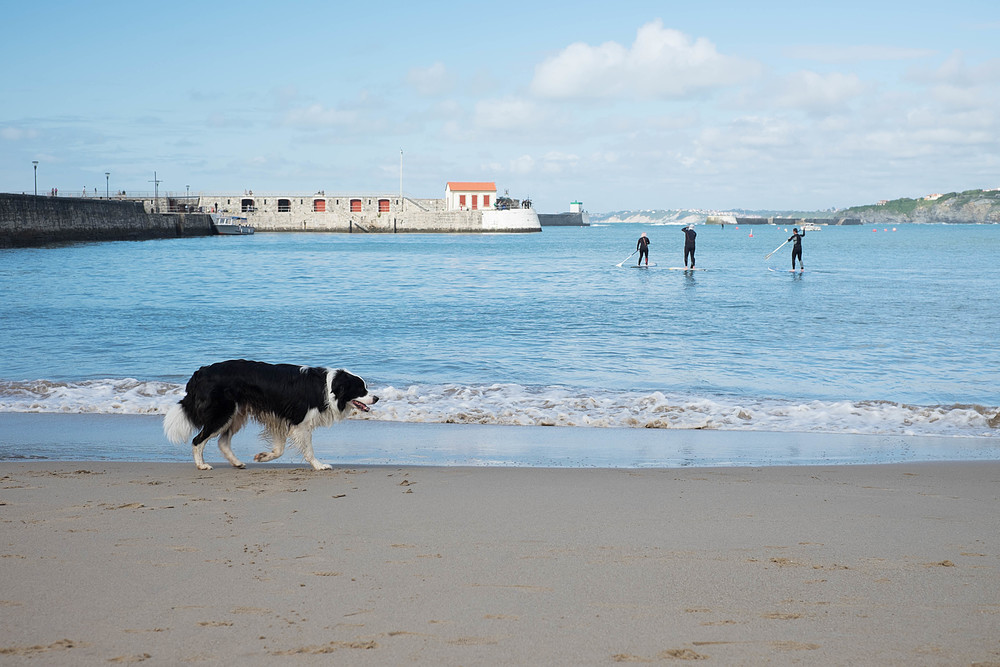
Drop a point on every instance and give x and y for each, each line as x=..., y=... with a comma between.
x=643, y=266
x=683, y=268
x=771, y=268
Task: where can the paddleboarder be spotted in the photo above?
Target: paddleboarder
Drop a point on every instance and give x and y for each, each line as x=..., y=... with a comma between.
x=642, y=245
x=689, y=236
x=796, y=238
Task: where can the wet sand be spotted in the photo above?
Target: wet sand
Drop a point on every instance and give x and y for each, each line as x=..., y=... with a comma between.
x=163, y=564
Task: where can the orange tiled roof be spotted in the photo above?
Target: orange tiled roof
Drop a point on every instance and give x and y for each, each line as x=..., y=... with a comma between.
x=463, y=186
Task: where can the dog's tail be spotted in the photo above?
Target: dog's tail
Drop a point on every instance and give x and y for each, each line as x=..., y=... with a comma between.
x=177, y=426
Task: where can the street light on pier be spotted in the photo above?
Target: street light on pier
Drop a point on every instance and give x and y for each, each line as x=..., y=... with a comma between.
x=156, y=193
x=107, y=185
x=35, y=162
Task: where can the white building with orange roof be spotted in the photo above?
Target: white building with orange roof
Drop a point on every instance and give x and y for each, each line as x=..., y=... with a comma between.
x=470, y=195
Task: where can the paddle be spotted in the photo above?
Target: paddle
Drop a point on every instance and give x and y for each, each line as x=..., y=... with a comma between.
x=768, y=255
x=619, y=264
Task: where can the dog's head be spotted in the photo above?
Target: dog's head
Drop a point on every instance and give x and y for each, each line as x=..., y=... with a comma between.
x=350, y=390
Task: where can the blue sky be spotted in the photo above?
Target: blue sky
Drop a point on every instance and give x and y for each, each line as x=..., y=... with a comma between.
x=623, y=105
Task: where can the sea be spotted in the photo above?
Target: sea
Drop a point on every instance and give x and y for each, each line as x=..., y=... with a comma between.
x=889, y=335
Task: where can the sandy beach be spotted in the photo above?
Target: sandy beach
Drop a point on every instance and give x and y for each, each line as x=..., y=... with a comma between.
x=161, y=563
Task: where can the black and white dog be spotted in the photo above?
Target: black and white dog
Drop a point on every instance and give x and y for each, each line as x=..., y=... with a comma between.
x=287, y=400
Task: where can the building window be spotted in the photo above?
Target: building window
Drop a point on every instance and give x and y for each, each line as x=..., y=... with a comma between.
x=475, y=202
x=284, y=205
x=486, y=201
x=319, y=205
x=355, y=206
x=383, y=205
x=461, y=201
x=247, y=206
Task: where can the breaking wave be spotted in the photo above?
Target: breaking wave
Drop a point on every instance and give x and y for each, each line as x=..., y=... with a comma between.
x=551, y=406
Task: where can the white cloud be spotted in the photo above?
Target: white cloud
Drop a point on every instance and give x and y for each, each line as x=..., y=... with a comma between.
x=431, y=81
x=825, y=93
x=524, y=164
x=855, y=53
x=955, y=71
x=506, y=114
x=17, y=133
x=661, y=63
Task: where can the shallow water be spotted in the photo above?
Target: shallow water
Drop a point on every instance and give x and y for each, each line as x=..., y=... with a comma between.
x=886, y=332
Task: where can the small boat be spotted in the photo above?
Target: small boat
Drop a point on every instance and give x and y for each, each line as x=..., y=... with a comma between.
x=811, y=227
x=231, y=225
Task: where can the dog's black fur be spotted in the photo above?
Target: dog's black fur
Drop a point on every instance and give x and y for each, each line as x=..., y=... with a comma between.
x=287, y=400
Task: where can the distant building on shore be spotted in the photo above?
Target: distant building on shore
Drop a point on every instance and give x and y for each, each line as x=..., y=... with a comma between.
x=466, y=207
x=469, y=196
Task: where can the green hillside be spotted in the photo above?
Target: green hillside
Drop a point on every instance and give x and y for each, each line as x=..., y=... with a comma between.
x=971, y=206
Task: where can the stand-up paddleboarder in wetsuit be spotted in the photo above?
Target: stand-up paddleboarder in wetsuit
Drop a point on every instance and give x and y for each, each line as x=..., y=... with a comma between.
x=642, y=245
x=797, y=247
x=689, y=235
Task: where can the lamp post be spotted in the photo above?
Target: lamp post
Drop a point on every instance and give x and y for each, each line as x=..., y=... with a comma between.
x=156, y=193
x=35, y=162
x=107, y=185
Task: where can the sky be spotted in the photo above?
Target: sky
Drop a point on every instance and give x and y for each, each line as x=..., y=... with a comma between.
x=620, y=105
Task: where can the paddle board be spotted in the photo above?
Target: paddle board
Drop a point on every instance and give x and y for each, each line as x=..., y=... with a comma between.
x=771, y=268
x=682, y=268
x=643, y=266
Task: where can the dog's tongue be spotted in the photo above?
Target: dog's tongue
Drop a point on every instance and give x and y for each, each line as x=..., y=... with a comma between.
x=361, y=406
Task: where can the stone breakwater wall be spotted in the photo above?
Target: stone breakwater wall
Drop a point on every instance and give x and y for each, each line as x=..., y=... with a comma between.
x=394, y=222
x=376, y=214
x=27, y=221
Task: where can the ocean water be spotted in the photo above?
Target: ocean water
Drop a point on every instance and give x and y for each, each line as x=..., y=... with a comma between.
x=888, y=331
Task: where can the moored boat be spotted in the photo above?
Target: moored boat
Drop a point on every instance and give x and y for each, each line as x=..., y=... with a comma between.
x=231, y=225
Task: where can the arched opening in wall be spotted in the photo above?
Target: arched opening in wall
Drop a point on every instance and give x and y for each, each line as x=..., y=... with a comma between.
x=284, y=205
x=247, y=206
x=319, y=205
x=383, y=205
x=355, y=206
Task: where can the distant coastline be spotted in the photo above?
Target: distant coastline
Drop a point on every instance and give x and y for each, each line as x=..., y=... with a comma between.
x=968, y=207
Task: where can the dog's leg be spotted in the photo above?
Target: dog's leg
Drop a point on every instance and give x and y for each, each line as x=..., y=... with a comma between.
x=198, y=449
x=214, y=425
x=304, y=441
x=277, y=449
x=225, y=446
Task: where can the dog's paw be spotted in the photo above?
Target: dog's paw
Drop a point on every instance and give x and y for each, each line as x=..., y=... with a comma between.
x=321, y=466
x=240, y=464
x=263, y=456
x=204, y=466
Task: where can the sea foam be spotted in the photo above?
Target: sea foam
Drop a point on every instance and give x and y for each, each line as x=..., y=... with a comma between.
x=514, y=404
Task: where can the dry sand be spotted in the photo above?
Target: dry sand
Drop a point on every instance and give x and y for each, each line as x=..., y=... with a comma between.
x=160, y=563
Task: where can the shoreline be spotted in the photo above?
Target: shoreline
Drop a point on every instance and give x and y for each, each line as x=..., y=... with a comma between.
x=131, y=562
x=105, y=437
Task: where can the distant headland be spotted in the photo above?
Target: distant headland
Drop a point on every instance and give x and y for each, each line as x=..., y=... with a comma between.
x=968, y=207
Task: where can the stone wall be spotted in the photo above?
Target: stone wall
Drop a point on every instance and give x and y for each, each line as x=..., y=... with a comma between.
x=27, y=220
x=269, y=213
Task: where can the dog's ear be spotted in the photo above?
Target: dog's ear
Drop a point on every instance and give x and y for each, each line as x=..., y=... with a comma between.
x=337, y=382
x=339, y=388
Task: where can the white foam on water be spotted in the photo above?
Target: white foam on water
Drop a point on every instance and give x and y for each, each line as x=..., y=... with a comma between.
x=514, y=404
x=119, y=396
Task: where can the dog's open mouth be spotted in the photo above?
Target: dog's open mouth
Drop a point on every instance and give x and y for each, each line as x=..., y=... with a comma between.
x=361, y=406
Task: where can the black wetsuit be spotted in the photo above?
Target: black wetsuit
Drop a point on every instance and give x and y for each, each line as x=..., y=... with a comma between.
x=689, y=235
x=797, y=248
x=643, y=247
